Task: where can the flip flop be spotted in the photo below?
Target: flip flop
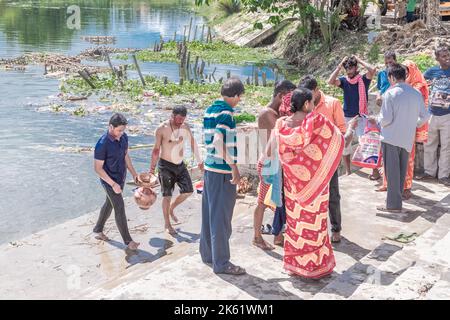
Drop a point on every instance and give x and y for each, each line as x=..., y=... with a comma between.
x=173, y=233
x=404, y=237
x=278, y=242
x=101, y=236
x=384, y=209
x=234, y=270
x=373, y=178
x=133, y=248
x=407, y=194
x=337, y=239
x=262, y=244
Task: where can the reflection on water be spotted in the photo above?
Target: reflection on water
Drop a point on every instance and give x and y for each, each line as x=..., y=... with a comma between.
x=42, y=25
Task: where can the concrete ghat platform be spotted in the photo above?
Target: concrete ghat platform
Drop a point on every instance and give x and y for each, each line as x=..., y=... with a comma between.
x=65, y=262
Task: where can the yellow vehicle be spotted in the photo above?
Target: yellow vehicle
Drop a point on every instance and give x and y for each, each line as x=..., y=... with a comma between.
x=444, y=8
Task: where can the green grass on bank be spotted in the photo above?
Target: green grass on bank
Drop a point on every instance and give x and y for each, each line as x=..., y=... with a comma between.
x=255, y=96
x=215, y=52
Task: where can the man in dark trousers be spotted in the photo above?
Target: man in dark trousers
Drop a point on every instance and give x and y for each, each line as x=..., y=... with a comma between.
x=221, y=177
x=111, y=164
x=402, y=111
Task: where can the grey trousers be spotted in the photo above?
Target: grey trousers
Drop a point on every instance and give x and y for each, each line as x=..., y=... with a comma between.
x=395, y=165
x=218, y=200
x=438, y=133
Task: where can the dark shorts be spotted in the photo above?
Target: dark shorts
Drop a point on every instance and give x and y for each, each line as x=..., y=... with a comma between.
x=170, y=174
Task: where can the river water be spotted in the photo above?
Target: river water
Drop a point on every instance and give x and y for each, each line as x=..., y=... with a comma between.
x=41, y=185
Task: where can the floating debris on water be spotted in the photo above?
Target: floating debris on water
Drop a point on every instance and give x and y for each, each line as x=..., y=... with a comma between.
x=99, y=39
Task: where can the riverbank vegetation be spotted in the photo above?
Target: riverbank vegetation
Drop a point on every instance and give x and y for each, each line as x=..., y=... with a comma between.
x=196, y=95
x=214, y=52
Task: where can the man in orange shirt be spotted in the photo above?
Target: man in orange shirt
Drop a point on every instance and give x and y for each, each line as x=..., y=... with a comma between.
x=331, y=108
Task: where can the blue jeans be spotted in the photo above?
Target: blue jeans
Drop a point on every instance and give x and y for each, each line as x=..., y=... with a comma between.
x=218, y=200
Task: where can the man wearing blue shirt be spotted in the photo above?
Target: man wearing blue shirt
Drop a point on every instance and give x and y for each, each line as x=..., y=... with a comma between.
x=111, y=164
x=439, y=126
x=382, y=80
x=402, y=111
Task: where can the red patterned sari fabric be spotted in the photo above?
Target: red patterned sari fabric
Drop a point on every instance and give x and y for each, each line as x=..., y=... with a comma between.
x=309, y=154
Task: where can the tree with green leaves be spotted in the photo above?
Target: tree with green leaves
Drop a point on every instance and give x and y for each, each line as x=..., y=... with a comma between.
x=324, y=16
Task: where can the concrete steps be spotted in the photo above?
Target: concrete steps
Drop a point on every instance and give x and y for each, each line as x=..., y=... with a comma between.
x=395, y=272
x=408, y=274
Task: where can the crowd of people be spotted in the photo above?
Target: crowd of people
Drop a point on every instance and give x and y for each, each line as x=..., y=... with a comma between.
x=306, y=133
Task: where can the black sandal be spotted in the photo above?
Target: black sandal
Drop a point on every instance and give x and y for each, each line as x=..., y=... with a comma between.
x=234, y=270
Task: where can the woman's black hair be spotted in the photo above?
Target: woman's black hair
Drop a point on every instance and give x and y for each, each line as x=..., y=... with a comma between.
x=299, y=97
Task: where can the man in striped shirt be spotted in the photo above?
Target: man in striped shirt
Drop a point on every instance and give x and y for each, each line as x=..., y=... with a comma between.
x=220, y=179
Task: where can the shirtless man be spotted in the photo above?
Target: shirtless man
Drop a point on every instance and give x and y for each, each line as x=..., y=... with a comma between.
x=171, y=136
x=266, y=121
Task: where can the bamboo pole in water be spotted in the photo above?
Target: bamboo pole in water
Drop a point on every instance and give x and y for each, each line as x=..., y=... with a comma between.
x=256, y=80
x=88, y=73
x=175, y=37
x=202, y=67
x=195, y=33
x=111, y=66
x=183, y=55
x=189, y=33
x=188, y=61
x=138, y=69
x=228, y=74
x=86, y=78
x=264, y=79
x=203, y=33
x=209, y=37
x=196, y=65
x=184, y=33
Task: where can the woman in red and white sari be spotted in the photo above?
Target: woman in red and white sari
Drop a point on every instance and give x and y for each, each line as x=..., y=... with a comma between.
x=310, y=149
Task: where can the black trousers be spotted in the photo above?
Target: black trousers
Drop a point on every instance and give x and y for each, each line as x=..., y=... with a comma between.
x=334, y=205
x=114, y=201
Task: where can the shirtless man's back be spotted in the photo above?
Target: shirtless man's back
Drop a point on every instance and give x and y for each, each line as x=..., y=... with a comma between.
x=266, y=122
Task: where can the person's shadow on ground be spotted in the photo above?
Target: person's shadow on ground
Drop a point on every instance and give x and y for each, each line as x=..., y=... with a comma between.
x=134, y=257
